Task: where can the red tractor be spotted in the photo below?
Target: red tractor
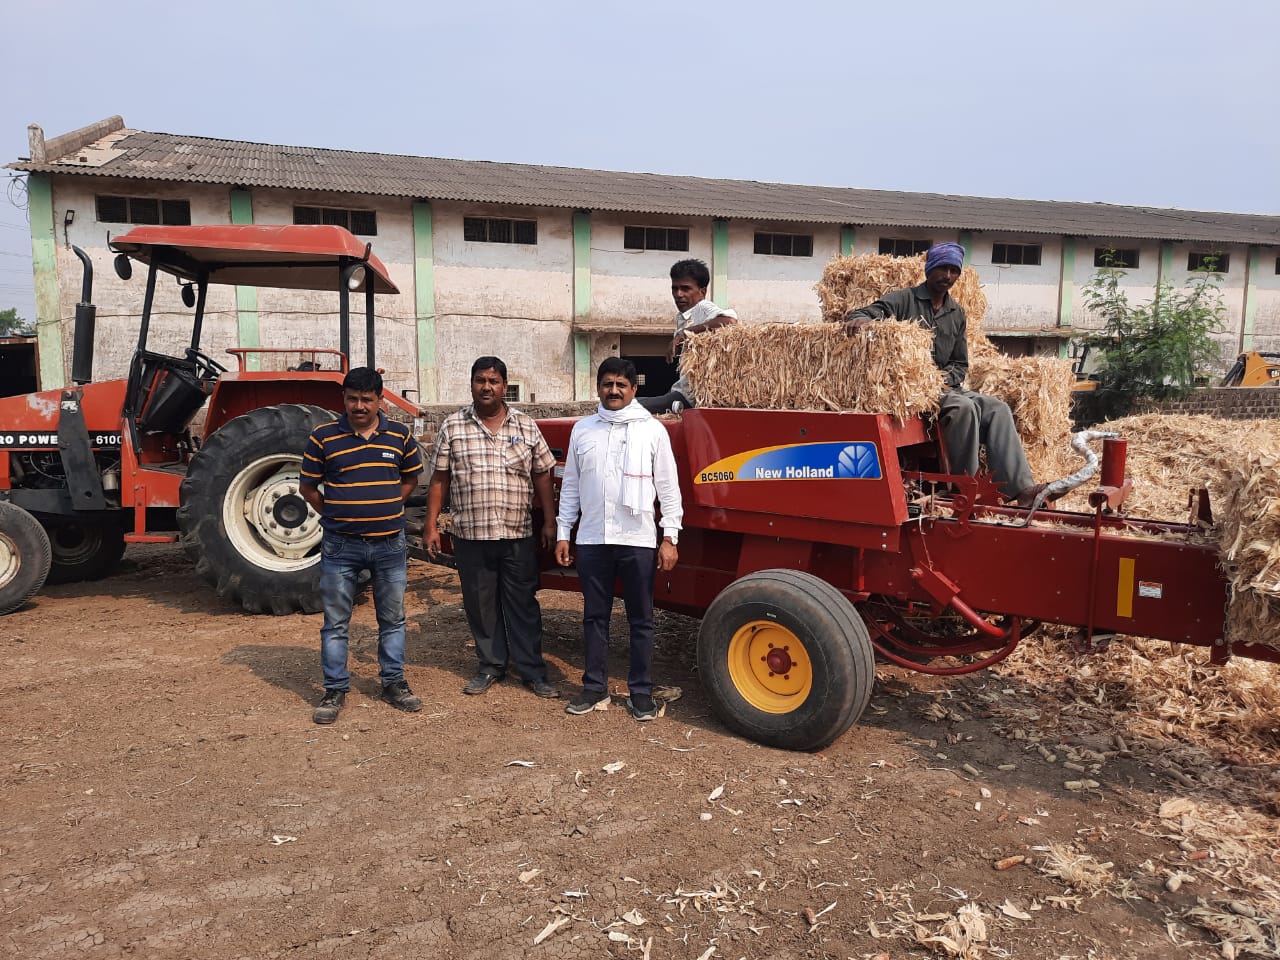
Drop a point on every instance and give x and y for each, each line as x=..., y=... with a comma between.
x=814, y=542
x=87, y=469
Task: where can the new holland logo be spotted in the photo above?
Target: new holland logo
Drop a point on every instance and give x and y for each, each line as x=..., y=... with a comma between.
x=799, y=461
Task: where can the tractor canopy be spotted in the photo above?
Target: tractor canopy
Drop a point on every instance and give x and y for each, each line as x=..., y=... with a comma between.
x=284, y=256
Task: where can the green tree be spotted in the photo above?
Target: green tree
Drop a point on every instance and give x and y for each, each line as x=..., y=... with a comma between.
x=12, y=325
x=1154, y=351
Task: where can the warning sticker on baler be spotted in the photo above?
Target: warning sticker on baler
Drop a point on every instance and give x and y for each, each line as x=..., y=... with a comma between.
x=798, y=461
x=1147, y=588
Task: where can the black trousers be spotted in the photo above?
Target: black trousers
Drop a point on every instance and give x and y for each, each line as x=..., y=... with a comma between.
x=598, y=566
x=499, y=587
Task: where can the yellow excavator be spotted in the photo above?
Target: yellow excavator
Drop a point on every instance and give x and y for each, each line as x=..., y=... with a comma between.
x=1254, y=369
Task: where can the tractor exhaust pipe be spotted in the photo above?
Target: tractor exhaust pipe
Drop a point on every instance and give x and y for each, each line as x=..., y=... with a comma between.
x=86, y=320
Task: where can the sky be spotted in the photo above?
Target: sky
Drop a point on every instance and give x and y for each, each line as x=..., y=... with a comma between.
x=1166, y=103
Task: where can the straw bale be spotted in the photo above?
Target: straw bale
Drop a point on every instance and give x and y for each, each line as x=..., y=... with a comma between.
x=1238, y=461
x=809, y=366
x=851, y=282
x=1038, y=391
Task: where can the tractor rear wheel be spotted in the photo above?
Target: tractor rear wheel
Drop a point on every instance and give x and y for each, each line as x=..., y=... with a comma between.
x=785, y=659
x=24, y=557
x=84, y=549
x=242, y=520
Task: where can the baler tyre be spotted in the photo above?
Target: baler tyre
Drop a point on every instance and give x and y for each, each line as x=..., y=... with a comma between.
x=785, y=659
x=84, y=549
x=242, y=520
x=25, y=556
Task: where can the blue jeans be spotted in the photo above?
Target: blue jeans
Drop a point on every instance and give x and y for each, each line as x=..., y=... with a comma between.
x=342, y=557
x=599, y=566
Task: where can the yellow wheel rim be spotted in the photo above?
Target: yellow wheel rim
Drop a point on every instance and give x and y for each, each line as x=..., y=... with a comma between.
x=770, y=667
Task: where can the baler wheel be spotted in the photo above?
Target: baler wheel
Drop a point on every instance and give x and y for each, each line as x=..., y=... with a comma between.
x=84, y=549
x=785, y=659
x=243, y=522
x=24, y=557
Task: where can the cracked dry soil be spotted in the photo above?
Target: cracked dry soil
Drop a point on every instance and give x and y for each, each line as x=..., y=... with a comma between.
x=167, y=795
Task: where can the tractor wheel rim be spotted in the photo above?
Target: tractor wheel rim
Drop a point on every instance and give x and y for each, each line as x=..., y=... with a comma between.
x=770, y=667
x=10, y=560
x=259, y=530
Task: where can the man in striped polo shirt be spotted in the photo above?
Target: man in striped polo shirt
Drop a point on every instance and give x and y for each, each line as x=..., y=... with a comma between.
x=369, y=466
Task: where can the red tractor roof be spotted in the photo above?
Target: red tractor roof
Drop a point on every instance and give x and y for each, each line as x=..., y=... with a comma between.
x=286, y=256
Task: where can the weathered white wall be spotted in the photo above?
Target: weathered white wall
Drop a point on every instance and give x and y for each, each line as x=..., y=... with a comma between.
x=1019, y=296
x=297, y=319
x=516, y=300
x=1266, y=318
x=764, y=288
x=1139, y=284
x=633, y=287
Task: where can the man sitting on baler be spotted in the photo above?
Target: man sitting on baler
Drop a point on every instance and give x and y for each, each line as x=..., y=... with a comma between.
x=968, y=419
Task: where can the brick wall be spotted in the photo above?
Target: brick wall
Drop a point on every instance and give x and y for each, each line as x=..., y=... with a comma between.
x=1230, y=403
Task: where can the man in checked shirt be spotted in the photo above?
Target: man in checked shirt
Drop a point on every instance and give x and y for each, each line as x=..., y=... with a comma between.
x=489, y=462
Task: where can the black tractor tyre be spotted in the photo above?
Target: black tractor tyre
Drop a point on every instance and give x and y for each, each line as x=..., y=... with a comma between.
x=242, y=520
x=785, y=659
x=84, y=549
x=25, y=556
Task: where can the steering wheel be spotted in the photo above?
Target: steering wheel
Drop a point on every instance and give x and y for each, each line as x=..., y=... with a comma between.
x=207, y=368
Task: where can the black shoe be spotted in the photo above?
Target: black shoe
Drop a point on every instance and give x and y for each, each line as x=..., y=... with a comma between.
x=541, y=688
x=328, y=709
x=401, y=697
x=480, y=683
x=642, y=707
x=587, y=701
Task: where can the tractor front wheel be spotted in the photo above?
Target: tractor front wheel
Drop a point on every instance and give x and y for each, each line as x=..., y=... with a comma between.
x=24, y=557
x=785, y=659
x=84, y=549
x=243, y=521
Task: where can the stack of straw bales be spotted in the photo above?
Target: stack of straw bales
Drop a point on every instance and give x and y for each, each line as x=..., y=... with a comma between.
x=887, y=369
x=1238, y=461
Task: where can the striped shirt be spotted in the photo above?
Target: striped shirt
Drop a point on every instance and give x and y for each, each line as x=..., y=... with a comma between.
x=491, y=474
x=361, y=477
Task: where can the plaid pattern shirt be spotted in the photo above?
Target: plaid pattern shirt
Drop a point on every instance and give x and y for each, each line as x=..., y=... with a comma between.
x=491, y=474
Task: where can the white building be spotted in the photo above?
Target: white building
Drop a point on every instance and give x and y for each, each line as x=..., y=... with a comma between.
x=554, y=268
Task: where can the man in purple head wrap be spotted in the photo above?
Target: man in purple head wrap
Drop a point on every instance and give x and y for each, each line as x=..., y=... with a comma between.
x=968, y=419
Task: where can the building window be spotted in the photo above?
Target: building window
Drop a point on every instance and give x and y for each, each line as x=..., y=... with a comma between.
x=144, y=210
x=784, y=244
x=495, y=230
x=1106, y=257
x=1217, y=262
x=655, y=238
x=1278, y=266
x=897, y=247
x=1016, y=254
x=514, y=389
x=363, y=222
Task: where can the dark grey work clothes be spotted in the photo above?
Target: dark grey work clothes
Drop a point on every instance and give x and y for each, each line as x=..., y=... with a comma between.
x=968, y=419
x=499, y=582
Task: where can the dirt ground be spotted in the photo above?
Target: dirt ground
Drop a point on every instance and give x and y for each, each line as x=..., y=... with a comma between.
x=167, y=795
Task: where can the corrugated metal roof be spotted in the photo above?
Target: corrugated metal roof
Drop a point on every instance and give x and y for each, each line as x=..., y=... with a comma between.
x=163, y=156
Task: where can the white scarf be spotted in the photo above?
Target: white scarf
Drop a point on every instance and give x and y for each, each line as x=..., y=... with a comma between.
x=636, y=466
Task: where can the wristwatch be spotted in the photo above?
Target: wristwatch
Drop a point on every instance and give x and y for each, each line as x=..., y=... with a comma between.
x=671, y=538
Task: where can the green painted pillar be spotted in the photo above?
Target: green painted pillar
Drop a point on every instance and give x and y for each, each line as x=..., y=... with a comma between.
x=1165, y=269
x=720, y=262
x=44, y=265
x=1067, y=282
x=1250, y=311
x=424, y=302
x=582, y=383
x=848, y=237
x=246, y=297
x=966, y=241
